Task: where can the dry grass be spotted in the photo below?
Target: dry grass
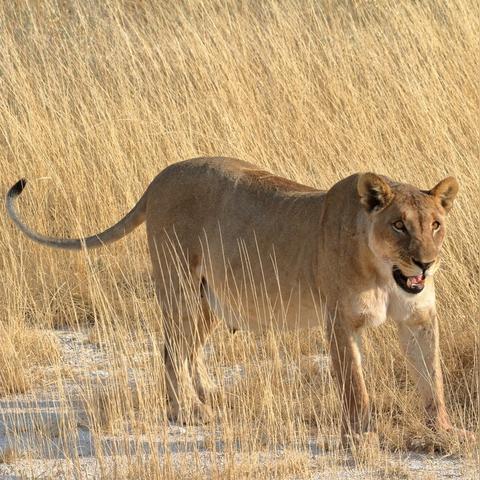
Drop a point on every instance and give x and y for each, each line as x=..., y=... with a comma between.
x=24, y=355
x=98, y=97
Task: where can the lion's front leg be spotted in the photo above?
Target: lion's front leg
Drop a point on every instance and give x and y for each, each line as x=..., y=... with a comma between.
x=346, y=359
x=420, y=342
x=419, y=338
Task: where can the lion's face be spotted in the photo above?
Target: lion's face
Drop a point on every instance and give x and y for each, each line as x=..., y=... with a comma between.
x=406, y=227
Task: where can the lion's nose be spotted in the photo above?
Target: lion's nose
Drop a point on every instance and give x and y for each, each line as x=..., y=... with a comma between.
x=423, y=265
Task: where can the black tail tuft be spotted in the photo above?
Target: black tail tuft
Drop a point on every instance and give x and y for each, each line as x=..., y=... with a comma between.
x=17, y=189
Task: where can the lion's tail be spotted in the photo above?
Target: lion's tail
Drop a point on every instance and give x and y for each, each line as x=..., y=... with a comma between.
x=129, y=222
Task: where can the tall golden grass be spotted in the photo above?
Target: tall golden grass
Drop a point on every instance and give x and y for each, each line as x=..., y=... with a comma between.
x=97, y=97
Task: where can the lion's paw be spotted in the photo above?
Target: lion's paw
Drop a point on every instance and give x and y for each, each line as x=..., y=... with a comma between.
x=197, y=414
x=460, y=435
x=354, y=441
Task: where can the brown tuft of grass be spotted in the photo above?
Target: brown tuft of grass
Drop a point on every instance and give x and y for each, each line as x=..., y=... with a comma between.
x=25, y=355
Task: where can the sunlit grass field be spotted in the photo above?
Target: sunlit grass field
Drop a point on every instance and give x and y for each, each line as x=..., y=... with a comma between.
x=97, y=97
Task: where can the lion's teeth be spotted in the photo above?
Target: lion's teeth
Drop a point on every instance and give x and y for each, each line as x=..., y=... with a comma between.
x=409, y=282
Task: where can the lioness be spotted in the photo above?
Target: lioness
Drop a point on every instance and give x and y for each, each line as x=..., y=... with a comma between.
x=224, y=232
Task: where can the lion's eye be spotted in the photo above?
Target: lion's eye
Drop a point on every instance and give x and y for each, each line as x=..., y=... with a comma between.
x=436, y=225
x=399, y=226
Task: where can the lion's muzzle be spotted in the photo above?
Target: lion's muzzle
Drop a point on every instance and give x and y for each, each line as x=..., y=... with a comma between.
x=413, y=284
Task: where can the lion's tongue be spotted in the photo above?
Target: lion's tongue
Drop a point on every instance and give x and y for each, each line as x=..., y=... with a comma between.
x=417, y=280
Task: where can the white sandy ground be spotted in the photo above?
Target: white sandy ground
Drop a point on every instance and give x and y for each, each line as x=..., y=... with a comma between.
x=32, y=444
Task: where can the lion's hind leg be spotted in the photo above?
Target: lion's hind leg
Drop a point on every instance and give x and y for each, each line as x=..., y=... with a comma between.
x=188, y=323
x=182, y=347
x=186, y=329
x=204, y=385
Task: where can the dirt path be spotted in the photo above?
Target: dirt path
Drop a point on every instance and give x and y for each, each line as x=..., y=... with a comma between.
x=33, y=443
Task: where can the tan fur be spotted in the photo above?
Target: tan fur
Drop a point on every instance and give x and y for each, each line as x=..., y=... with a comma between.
x=229, y=240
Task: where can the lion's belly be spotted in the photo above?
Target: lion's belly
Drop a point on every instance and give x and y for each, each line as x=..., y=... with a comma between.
x=301, y=316
x=257, y=312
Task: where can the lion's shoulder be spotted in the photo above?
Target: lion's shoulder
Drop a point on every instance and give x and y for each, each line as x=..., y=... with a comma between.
x=269, y=181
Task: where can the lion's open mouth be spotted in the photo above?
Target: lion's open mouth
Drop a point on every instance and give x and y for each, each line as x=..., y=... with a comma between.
x=409, y=284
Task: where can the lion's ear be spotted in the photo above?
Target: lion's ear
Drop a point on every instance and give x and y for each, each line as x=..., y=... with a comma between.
x=375, y=194
x=445, y=191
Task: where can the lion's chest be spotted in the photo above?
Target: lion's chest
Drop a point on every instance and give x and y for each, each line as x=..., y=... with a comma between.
x=405, y=307
x=369, y=308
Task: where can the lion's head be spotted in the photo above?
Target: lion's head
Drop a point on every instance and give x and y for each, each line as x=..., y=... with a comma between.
x=407, y=226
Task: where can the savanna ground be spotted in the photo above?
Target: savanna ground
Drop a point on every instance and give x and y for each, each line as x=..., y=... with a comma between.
x=95, y=99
